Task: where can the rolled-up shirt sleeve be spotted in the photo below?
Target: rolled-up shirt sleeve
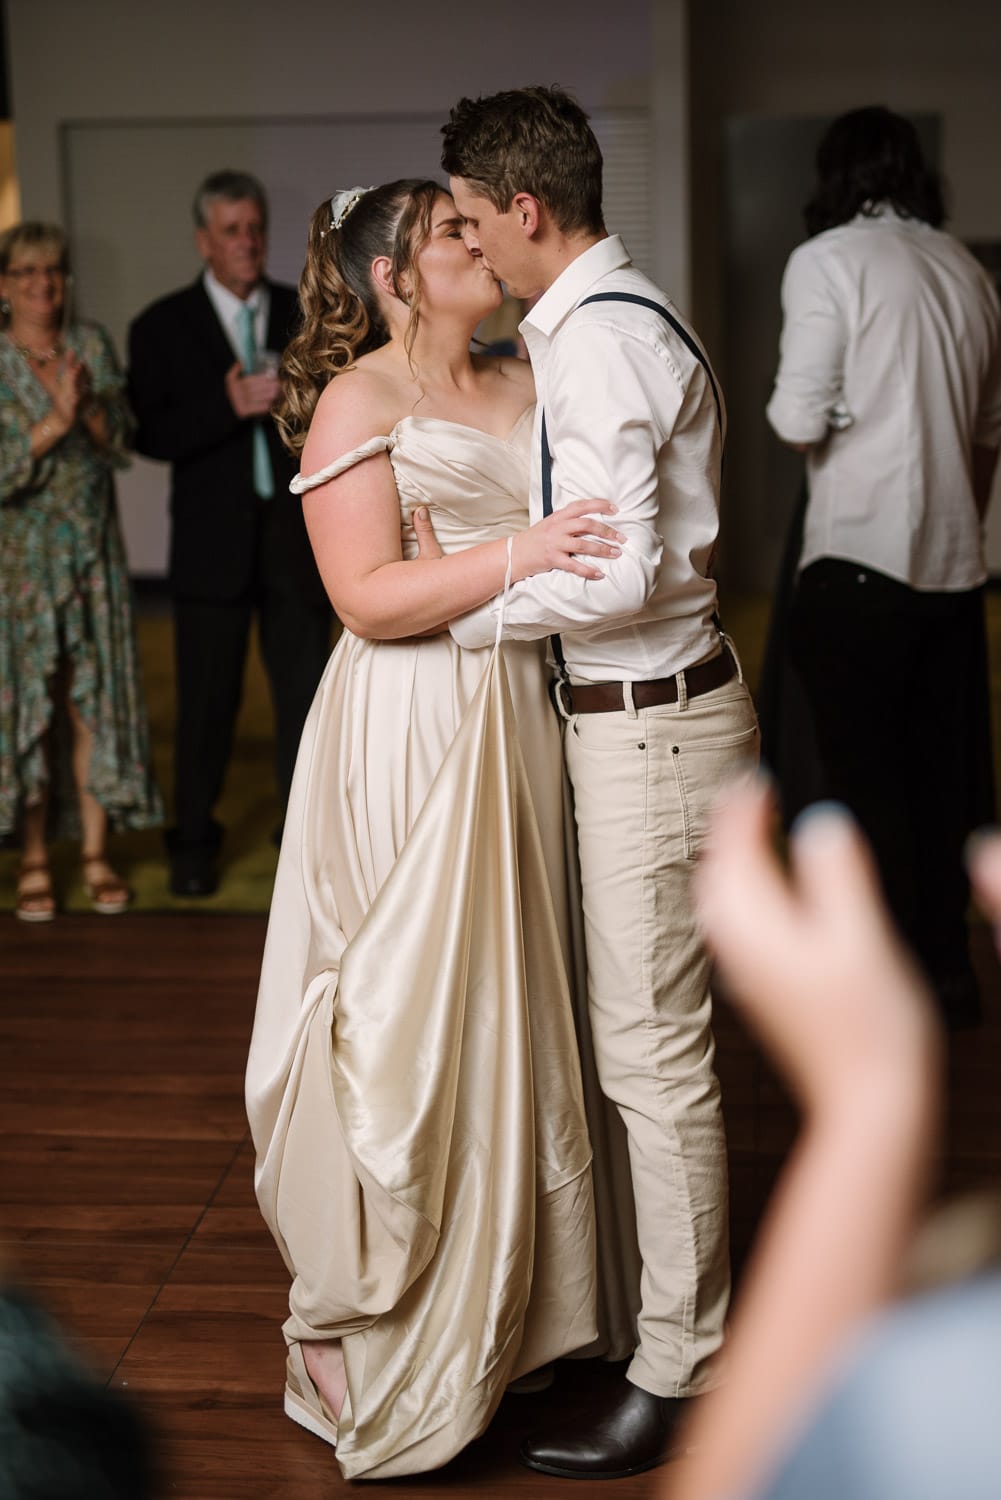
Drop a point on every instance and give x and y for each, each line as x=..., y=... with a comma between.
x=605, y=434
x=808, y=385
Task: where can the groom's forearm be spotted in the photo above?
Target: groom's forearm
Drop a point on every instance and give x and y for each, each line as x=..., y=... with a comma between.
x=557, y=602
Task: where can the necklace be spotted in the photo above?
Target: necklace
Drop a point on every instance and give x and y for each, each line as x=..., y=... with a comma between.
x=45, y=357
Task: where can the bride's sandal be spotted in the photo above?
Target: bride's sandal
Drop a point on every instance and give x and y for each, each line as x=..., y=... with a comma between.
x=303, y=1402
x=109, y=897
x=35, y=901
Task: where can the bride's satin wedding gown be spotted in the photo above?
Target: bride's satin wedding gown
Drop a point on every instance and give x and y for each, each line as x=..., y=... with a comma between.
x=414, y=1087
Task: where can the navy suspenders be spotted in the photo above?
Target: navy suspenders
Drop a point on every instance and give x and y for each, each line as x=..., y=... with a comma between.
x=555, y=643
x=547, y=458
x=679, y=329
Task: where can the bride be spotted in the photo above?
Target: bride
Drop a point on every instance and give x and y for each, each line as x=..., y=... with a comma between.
x=413, y=1085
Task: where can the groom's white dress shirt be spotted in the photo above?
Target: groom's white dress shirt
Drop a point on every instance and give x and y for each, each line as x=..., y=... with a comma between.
x=618, y=431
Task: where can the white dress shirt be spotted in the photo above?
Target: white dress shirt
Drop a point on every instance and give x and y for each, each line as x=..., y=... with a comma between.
x=631, y=418
x=228, y=308
x=890, y=363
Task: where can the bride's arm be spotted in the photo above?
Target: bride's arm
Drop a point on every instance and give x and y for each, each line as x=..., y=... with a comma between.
x=354, y=529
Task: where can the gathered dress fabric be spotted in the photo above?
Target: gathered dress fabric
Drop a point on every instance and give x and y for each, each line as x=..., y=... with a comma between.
x=414, y=1085
x=66, y=601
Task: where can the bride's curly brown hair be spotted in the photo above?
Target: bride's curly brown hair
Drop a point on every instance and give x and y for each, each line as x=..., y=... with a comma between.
x=341, y=319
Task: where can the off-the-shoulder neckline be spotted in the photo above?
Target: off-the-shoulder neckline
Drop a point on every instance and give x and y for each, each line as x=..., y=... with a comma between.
x=466, y=427
x=388, y=438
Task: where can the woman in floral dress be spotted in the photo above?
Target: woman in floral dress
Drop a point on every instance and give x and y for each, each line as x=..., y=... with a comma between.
x=74, y=742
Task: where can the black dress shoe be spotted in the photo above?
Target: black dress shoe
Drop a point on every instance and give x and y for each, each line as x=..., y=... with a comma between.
x=189, y=879
x=193, y=870
x=632, y=1435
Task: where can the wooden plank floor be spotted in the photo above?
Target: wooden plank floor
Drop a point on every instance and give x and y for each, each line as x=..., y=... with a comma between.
x=126, y=1201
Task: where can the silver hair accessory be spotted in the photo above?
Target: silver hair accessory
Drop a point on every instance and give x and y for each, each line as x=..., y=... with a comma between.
x=342, y=203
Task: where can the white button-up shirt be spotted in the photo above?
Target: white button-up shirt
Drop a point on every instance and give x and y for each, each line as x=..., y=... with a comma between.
x=631, y=418
x=228, y=308
x=891, y=363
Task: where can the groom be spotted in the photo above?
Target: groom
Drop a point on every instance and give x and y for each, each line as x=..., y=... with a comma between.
x=656, y=711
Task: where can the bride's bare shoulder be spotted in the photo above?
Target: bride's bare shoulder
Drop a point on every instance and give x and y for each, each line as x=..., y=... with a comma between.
x=361, y=402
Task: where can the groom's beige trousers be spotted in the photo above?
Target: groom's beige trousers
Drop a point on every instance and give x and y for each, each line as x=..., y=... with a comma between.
x=644, y=781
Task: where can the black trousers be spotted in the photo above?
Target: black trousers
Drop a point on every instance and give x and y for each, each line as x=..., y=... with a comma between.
x=898, y=688
x=211, y=640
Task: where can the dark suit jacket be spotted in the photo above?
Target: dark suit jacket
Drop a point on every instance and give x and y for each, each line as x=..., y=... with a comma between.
x=222, y=533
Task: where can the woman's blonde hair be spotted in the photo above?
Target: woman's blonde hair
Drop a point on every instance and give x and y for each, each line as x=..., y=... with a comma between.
x=33, y=235
x=341, y=318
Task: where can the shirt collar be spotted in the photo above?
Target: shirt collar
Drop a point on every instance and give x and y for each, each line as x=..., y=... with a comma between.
x=227, y=300
x=875, y=212
x=573, y=284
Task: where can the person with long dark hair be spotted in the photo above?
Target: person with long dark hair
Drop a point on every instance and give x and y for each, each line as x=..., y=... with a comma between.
x=870, y=157
x=890, y=380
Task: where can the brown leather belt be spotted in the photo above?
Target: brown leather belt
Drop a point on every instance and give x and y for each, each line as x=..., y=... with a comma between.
x=606, y=697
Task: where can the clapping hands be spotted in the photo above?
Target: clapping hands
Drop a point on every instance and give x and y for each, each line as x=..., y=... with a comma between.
x=71, y=388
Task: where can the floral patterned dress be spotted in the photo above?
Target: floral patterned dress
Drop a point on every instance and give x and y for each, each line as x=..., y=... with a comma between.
x=66, y=602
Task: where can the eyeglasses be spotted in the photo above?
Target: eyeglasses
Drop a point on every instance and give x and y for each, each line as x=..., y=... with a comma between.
x=32, y=273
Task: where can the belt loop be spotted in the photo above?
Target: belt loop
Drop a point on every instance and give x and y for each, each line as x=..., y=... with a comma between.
x=679, y=678
x=627, y=700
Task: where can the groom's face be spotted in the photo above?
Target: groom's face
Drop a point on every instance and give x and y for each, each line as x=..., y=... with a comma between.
x=499, y=238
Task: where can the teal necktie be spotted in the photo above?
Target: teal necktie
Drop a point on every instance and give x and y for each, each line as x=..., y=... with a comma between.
x=264, y=479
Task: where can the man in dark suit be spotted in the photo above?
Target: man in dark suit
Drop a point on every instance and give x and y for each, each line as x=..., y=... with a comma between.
x=203, y=382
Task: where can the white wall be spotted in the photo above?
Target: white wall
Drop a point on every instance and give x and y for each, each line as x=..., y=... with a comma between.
x=118, y=59
x=74, y=61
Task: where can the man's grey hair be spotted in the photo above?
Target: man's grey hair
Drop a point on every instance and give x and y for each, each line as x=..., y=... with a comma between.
x=232, y=187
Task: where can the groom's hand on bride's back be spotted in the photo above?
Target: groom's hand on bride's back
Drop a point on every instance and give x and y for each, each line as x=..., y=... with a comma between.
x=428, y=551
x=427, y=542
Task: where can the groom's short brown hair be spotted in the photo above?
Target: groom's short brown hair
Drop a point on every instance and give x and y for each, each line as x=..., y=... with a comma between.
x=534, y=140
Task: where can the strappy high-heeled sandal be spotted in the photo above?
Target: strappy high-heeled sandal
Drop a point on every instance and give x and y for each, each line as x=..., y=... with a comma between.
x=38, y=905
x=303, y=1402
x=109, y=897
